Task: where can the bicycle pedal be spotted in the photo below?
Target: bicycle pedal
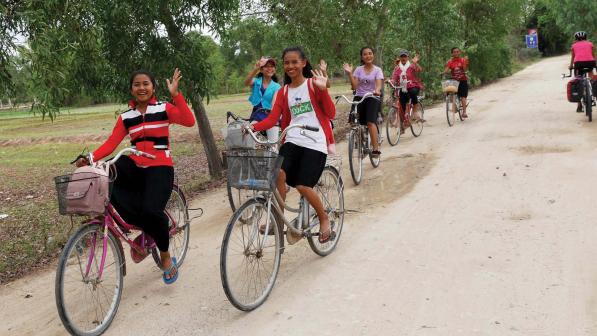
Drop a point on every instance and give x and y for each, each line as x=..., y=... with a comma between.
x=292, y=238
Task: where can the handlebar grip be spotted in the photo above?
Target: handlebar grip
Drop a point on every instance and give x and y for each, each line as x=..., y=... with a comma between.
x=312, y=128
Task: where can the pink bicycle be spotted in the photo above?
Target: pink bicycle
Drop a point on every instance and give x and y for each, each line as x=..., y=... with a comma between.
x=91, y=269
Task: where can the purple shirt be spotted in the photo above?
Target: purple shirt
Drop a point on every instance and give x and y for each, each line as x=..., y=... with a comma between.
x=367, y=80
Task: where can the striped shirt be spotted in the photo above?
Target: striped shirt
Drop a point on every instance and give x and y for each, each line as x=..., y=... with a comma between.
x=149, y=132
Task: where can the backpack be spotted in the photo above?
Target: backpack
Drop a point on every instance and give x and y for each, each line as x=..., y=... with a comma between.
x=87, y=192
x=574, y=90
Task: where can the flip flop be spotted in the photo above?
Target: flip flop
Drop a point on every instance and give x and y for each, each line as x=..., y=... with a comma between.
x=330, y=235
x=169, y=271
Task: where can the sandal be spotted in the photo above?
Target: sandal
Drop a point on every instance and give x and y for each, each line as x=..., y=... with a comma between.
x=375, y=153
x=464, y=115
x=329, y=235
x=167, y=273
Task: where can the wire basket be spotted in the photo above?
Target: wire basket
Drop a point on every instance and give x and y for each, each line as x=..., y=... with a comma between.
x=82, y=193
x=253, y=169
x=450, y=86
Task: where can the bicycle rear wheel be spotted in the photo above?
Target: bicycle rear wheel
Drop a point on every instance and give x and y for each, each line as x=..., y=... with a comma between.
x=331, y=191
x=87, y=295
x=417, y=127
x=450, y=115
x=588, y=101
x=178, y=213
x=393, y=126
x=355, y=155
x=249, y=260
x=236, y=197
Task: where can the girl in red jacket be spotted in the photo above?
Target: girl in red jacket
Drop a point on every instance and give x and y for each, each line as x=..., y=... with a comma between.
x=303, y=100
x=143, y=186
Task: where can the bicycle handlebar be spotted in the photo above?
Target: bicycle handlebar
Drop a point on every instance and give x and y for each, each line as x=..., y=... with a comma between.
x=570, y=74
x=366, y=95
x=270, y=143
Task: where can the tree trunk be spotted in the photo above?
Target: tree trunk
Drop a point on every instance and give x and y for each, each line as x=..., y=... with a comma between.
x=207, y=138
x=205, y=134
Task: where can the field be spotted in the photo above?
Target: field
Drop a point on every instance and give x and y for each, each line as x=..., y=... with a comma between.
x=33, y=151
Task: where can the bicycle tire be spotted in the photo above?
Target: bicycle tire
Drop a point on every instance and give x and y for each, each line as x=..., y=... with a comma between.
x=178, y=212
x=334, y=207
x=392, y=130
x=243, y=218
x=355, y=155
x=375, y=161
x=459, y=109
x=236, y=197
x=588, y=102
x=70, y=318
x=450, y=116
x=417, y=128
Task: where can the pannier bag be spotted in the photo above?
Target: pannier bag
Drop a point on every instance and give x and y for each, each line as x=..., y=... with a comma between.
x=85, y=192
x=235, y=139
x=574, y=90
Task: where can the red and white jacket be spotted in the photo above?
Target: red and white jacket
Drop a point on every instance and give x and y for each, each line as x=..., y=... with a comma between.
x=324, y=107
x=149, y=132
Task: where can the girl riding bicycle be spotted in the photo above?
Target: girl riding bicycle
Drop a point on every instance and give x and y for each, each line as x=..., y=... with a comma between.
x=264, y=85
x=582, y=57
x=143, y=186
x=406, y=75
x=367, y=78
x=303, y=100
x=458, y=67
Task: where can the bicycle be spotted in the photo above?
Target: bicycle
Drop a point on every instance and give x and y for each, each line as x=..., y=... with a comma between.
x=587, y=98
x=236, y=197
x=453, y=102
x=392, y=130
x=91, y=267
x=253, y=241
x=359, y=143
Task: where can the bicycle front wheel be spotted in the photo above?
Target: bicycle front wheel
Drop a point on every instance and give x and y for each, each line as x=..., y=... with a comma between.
x=179, y=227
x=331, y=191
x=450, y=106
x=355, y=155
x=250, y=258
x=393, y=127
x=89, y=280
x=417, y=127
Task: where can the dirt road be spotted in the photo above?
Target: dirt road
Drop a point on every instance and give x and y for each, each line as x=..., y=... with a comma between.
x=484, y=228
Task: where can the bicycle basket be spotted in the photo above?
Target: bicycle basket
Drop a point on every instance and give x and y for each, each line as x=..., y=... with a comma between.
x=253, y=169
x=85, y=192
x=450, y=86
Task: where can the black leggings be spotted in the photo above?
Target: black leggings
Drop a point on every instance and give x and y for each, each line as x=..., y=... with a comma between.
x=140, y=196
x=412, y=94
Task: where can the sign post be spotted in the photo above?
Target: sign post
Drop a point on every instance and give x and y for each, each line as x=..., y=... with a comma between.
x=532, y=39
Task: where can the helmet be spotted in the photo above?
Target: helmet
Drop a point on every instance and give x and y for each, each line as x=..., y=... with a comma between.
x=580, y=35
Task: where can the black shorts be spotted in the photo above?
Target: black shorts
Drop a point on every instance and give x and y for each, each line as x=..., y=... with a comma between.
x=303, y=166
x=463, y=89
x=583, y=67
x=412, y=94
x=367, y=110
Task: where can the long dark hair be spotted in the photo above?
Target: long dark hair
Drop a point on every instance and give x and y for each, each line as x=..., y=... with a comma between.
x=306, y=70
x=361, y=54
x=143, y=72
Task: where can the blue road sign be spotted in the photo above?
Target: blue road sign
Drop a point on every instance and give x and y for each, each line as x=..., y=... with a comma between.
x=532, y=41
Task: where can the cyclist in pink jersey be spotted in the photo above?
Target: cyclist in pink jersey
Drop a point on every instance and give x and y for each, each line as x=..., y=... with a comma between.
x=582, y=58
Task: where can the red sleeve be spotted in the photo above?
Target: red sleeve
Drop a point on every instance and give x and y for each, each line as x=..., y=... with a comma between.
x=179, y=112
x=395, y=76
x=274, y=116
x=327, y=104
x=118, y=133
